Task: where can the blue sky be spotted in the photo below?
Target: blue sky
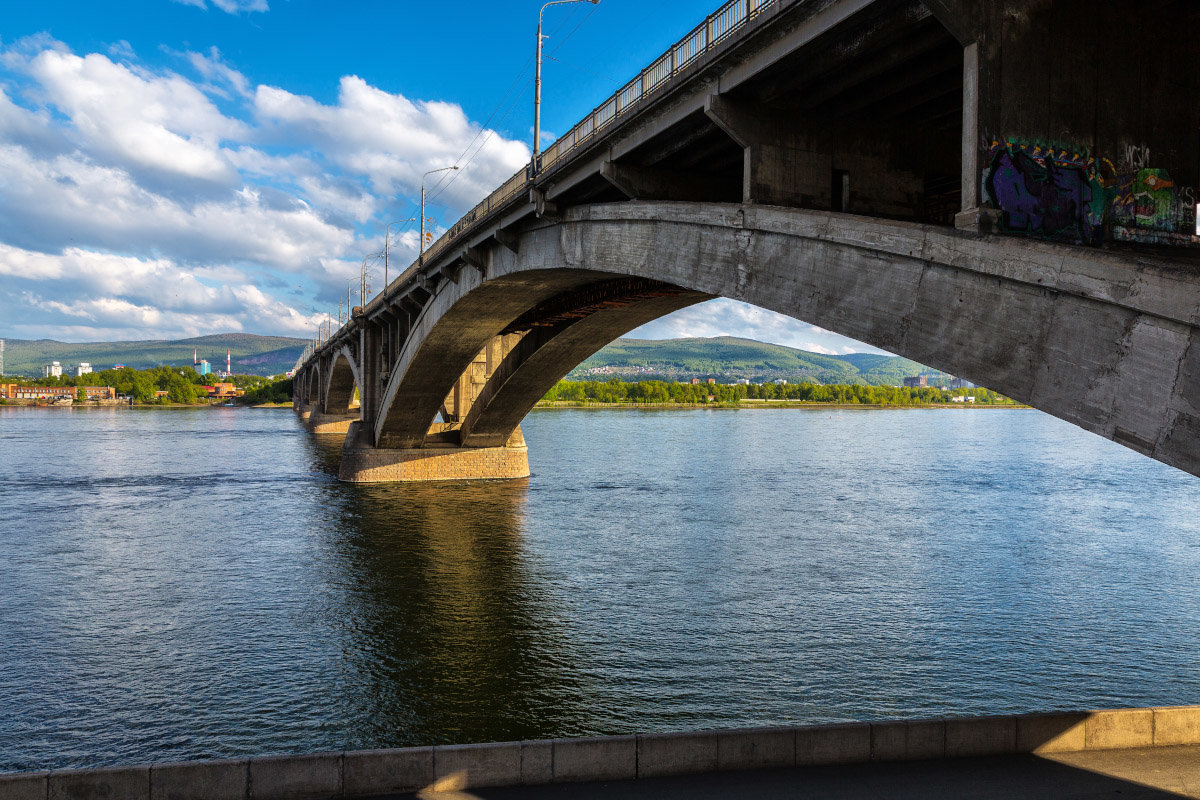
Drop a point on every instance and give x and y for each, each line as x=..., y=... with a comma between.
x=172, y=168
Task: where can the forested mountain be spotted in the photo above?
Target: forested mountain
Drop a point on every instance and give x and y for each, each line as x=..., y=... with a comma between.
x=250, y=354
x=727, y=357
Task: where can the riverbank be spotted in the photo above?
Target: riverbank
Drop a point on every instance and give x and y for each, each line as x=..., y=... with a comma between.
x=93, y=404
x=759, y=404
x=1103, y=752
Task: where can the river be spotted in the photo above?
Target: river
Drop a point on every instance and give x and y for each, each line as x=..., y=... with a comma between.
x=179, y=584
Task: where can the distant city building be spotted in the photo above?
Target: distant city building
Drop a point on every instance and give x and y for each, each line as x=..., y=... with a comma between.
x=1, y=356
x=84, y=368
x=959, y=383
x=695, y=381
x=916, y=381
x=781, y=382
x=52, y=370
x=712, y=380
x=10, y=391
x=203, y=367
x=118, y=366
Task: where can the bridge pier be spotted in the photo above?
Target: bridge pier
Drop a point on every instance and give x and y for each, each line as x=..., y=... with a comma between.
x=318, y=422
x=363, y=463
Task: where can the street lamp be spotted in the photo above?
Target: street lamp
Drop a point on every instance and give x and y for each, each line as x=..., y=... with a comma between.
x=421, y=250
x=537, y=79
x=364, y=286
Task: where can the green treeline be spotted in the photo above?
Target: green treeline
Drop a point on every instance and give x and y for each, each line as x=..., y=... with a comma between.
x=618, y=391
x=182, y=384
x=277, y=391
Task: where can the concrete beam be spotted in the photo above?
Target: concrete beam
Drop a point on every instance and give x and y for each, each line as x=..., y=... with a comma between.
x=780, y=167
x=963, y=18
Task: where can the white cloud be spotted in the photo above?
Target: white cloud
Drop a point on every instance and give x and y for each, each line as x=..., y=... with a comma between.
x=69, y=199
x=392, y=141
x=219, y=74
x=229, y=6
x=148, y=298
x=725, y=317
x=160, y=123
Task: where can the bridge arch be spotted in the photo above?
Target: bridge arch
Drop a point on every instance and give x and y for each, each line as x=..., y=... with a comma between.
x=1037, y=321
x=313, y=390
x=341, y=382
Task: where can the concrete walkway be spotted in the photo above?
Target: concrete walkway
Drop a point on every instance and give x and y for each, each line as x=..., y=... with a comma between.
x=1138, y=774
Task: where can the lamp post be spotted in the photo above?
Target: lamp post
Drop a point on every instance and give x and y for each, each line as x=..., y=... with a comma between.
x=537, y=80
x=364, y=286
x=421, y=244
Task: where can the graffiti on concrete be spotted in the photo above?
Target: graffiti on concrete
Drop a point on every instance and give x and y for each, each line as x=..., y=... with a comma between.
x=1046, y=191
x=1056, y=192
x=1148, y=199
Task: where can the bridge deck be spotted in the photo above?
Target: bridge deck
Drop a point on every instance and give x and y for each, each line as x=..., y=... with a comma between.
x=1135, y=774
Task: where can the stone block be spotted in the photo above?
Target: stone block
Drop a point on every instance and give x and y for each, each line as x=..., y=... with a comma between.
x=925, y=739
x=313, y=777
x=367, y=773
x=981, y=736
x=493, y=764
x=676, y=754
x=24, y=786
x=889, y=741
x=381, y=465
x=1051, y=733
x=126, y=783
x=1178, y=725
x=601, y=759
x=756, y=748
x=200, y=780
x=1112, y=730
x=537, y=762
x=833, y=744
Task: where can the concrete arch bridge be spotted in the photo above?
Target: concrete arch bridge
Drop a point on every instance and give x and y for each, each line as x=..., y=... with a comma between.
x=948, y=180
x=1100, y=340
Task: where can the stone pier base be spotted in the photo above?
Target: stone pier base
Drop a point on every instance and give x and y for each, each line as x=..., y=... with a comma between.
x=305, y=412
x=364, y=464
x=329, y=423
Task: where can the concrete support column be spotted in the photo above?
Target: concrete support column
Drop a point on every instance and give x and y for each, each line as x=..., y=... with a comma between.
x=978, y=83
x=368, y=365
x=467, y=389
x=781, y=166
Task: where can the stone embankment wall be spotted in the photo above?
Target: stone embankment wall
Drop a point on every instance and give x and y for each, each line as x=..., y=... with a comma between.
x=382, y=772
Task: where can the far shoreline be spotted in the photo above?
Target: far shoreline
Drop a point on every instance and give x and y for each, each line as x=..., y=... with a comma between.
x=556, y=405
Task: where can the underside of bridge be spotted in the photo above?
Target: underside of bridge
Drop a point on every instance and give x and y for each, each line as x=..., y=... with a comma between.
x=919, y=176
x=865, y=119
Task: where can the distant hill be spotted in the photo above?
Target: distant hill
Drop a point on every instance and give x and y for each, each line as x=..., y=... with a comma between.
x=729, y=358
x=725, y=358
x=250, y=354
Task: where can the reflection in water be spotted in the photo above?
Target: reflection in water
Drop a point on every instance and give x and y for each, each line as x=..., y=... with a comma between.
x=446, y=633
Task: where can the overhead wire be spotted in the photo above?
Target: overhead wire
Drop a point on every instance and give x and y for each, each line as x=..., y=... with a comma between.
x=491, y=131
x=446, y=180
